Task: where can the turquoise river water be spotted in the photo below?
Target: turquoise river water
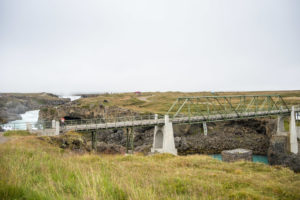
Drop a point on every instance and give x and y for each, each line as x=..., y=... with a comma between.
x=256, y=158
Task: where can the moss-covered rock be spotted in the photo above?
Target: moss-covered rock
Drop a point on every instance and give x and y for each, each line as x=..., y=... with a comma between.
x=70, y=140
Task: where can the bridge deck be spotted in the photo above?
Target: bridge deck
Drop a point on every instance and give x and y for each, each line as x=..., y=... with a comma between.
x=178, y=120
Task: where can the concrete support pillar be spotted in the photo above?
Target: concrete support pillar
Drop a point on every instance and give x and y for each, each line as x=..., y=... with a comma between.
x=94, y=140
x=205, y=128
x=53, y=124
x=57, y=128
x=154, y=136
x=293, y=133
x=163, y=141
x=156, y=116
x=129, y=140
x=280, y=125
x=29, y=127
x=297, y=127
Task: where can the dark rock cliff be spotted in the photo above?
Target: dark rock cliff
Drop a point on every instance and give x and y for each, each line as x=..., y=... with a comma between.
x=73, y=110
x=189, y=139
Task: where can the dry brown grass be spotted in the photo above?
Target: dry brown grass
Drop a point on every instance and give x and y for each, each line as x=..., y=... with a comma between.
x=33, y=169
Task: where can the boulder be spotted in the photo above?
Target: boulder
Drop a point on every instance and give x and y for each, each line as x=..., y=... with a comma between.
x=236, y=154
x=103, y=147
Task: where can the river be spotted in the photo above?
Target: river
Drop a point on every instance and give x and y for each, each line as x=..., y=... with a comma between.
x=256, y=158
x=31, y=117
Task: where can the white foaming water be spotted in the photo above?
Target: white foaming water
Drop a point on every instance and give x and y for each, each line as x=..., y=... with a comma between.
x=28, y=117
x=73, y=98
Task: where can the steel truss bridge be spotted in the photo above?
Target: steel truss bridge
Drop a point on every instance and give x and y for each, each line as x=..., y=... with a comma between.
x=186, y=110
x=196, y=110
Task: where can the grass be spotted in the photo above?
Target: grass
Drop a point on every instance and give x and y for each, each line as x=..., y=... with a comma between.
x=160, y=102
x=16, y=133
x=33, y=169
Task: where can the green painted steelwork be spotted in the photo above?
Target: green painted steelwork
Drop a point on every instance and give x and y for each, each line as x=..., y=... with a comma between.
x=207, y=106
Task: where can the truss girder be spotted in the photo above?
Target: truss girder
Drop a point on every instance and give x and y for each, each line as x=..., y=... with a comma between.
x=228, y=107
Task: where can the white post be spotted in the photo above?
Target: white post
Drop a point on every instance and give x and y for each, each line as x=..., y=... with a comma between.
x=293, y=133
x=280, y=125
x=29, y=127
x=205, y=128
x=53, y=123
x=298, y=127
x=155, y=131
x=57, y=128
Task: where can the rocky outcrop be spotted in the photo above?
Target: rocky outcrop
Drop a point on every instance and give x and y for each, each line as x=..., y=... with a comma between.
x=78, y=143
x=71, y=141
x=189, y=139
x=75, y=111
x=248, y=134
x=12, y=105
x=278, y=154
x=105, y=148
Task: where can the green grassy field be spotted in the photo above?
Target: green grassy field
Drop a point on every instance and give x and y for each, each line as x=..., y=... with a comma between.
x=160, y=102
x=33, y=169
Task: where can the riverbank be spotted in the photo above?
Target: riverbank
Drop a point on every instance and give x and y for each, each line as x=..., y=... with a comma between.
x=33, y=169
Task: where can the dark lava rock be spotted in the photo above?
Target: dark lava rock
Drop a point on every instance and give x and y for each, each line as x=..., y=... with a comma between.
x=278, y=154
x=103, y=147
x=189, y=139
x=74, y=142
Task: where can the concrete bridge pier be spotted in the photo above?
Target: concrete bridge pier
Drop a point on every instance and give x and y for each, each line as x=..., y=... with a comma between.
x=280, y=125
x=129, y=140
x=163, y=141
x=293, y=133
x=205, y=128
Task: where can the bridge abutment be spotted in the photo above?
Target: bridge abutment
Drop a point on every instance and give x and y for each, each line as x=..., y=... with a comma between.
x=163, y=141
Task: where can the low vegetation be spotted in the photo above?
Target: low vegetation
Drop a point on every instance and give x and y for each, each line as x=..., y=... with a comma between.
x=31, y=168
x=16, y=133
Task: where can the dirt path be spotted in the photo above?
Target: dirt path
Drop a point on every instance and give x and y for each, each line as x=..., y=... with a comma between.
x=145, y=98
x=3, y=139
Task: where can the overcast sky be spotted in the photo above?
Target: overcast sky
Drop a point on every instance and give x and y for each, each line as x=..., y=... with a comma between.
x=66, y=46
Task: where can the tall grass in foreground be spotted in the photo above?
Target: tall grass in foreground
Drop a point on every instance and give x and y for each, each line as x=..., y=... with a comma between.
x=32, y=169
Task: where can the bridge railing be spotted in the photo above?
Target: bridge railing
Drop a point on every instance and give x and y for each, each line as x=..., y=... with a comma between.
x=106, y=120
x=25, y=125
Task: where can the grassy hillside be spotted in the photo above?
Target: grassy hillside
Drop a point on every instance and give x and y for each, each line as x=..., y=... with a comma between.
x=160, y=102
x=33, y=169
